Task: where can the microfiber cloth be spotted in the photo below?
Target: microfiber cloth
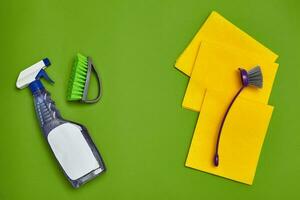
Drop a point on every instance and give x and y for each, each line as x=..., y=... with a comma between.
x=242, y=137
x=218, y=29
x=216, y=68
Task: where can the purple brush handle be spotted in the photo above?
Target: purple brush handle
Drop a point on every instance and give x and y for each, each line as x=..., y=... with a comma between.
x=216, y=156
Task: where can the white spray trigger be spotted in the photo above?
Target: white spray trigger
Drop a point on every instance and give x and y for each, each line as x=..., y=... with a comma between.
x=29, y=74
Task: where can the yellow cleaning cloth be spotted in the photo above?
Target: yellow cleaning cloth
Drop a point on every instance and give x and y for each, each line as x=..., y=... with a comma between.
x=218, y=29
x=241, y=140
x=216, y=68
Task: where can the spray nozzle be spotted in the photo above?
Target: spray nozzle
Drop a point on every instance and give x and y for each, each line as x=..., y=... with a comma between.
x=43, y=74
x=33, y=73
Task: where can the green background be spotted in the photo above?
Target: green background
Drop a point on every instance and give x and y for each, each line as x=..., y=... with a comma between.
x=141, y=129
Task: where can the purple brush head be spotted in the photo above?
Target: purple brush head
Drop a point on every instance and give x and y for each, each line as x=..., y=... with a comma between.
x=253, y=77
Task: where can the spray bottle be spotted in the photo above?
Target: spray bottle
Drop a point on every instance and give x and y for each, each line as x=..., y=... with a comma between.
x=70, y=142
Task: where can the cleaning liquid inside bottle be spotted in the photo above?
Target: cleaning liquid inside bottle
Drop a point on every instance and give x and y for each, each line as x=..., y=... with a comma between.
x=69, y=141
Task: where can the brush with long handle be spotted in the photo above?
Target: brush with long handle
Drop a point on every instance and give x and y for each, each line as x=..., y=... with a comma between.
x=253, y=78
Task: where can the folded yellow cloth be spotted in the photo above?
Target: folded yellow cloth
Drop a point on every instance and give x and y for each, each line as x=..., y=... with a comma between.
x=216, y=68
x=218, y=29
x=241, y=140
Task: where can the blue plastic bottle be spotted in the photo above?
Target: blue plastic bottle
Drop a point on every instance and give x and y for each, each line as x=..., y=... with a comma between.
x=69, y=141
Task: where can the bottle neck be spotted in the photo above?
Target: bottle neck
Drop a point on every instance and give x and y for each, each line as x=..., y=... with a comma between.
x=36, y=87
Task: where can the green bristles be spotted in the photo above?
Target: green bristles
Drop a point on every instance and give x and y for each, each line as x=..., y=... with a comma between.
x=78, y=78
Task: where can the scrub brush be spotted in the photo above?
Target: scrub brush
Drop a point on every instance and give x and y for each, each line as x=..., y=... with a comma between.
x=253, y=78
x=80, y=80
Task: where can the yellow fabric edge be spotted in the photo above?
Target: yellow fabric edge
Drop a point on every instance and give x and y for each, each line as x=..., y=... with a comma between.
x=186, y=60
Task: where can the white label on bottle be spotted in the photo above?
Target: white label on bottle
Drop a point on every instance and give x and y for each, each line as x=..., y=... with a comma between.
x=72, y=150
